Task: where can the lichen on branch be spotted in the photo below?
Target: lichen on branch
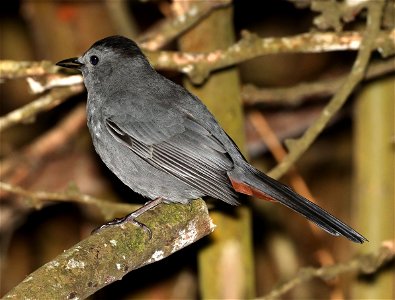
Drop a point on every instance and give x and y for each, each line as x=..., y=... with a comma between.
x=110, y=254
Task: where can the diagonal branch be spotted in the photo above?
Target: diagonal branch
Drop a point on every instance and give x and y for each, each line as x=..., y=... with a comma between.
x=110, y=254
x=298, y=147
x=364, y=264
x=170, y=28
x=46, y=102
x=23, y=163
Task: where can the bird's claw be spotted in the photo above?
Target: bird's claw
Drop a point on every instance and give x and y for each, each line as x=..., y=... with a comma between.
x=144, y=227
x=120, y=221
x=132, y=217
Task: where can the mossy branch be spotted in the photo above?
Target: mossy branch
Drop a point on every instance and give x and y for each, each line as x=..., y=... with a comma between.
x=110, y=254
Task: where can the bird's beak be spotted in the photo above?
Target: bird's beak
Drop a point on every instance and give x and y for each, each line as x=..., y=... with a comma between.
x=71, y=63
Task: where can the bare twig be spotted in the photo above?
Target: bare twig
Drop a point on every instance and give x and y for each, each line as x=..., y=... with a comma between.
x=46, y=102
x=37, y=198
x=295, y=95
x=41, y=84
x=333, y=14
x=20, y=165
x=364, y=264
x=298, y=147
x=102, y=258
x=270, y=139
x=168, y=29
x=199, y=65
x=266, y=133
x=11, y=69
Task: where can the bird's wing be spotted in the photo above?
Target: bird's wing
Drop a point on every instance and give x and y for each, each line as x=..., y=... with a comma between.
x=179, y=145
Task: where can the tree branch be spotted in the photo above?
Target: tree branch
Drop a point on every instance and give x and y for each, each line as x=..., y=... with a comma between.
x=170, y=28
x=11, y=69
x=295, y=95
x=36, y=199
x=110, y=254
x=364, y=264
x=298, y=147
x=199, y=65
x=46, y=102
x=21, y=164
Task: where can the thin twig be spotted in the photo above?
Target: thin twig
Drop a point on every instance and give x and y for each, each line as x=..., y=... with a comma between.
x=37, y=198
x=364, y=264
x=21, y=164
x=11, y=69
x=46, y=102
x=262, y=127
x=298, y=147
x=295, y=95
x=38, y=85
x=170, y=28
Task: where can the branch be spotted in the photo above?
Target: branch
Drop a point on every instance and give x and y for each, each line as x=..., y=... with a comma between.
x=170, y=28
x=102, y=258
x=46, y=102
x=41, y=84
x=11, y=69
x=333, y=14
x=199, y=65
x=36, y=199
x=364, y=264
x=21, y=164
x=298, y=147
x=295, y=95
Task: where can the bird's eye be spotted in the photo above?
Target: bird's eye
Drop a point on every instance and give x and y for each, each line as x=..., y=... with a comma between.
x=94, y=60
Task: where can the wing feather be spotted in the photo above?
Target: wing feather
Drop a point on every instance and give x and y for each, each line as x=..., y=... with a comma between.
x=183, y=149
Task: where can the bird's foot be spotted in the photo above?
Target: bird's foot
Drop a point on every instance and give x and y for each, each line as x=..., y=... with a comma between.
x=132, y=218
x=121, y=221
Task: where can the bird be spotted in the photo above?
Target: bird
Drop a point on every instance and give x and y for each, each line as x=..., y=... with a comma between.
x=162, y=142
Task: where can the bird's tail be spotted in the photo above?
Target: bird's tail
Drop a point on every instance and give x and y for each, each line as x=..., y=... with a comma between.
x=254, y=182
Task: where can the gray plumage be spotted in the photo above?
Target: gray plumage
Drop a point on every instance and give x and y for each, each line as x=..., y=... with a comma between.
x=161, y=141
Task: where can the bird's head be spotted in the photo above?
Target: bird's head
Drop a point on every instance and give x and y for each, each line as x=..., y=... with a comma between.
x=109, y=59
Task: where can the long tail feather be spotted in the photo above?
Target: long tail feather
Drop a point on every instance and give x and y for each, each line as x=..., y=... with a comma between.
x=259, y=183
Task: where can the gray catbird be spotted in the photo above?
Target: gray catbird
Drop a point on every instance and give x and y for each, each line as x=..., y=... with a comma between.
x=162, y=142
